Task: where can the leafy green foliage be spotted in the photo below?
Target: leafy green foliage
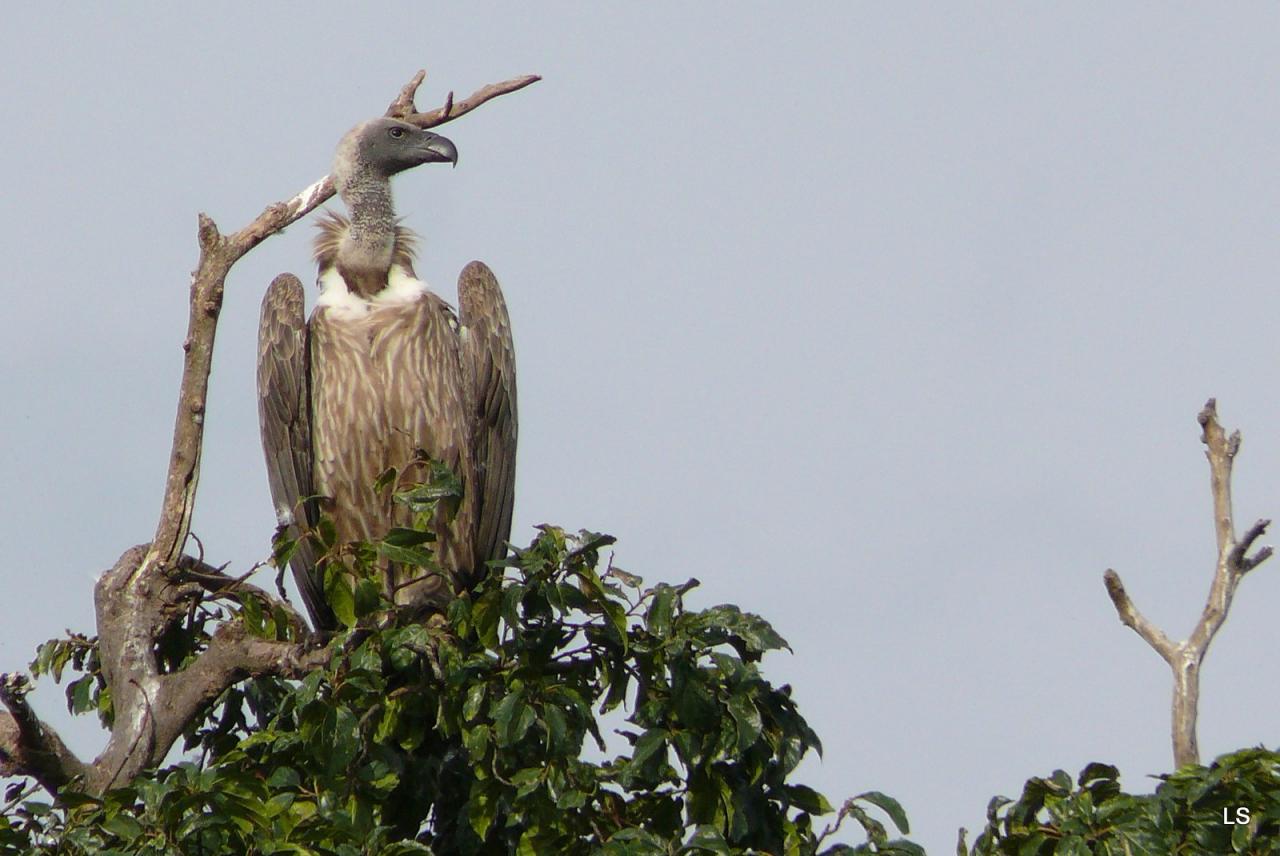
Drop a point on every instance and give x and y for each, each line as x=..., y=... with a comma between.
x=87, y=692
x=482, y=730
x=1193, y=811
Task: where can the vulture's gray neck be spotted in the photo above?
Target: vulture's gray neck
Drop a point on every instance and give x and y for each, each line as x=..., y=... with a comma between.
x=370, y=240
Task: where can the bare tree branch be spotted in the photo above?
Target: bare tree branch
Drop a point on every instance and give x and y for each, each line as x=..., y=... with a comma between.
x=153, y=709
x=1185, y=658
x=1248, y=564
x=28, y=747
x=152, y=586
x=403, y=104
x=1246, y=543
x=1132, y=618
x=453, y=109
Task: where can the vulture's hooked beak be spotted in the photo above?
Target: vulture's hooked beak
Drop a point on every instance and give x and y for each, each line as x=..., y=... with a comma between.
x=438, y=149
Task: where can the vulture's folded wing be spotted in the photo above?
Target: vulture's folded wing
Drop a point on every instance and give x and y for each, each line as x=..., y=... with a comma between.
x=285, y=418
x=490, y=366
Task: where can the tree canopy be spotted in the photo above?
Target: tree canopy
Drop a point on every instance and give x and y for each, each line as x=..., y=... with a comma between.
x=481, y=730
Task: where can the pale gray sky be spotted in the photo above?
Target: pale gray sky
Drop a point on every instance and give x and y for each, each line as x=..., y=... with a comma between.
x=887, y=321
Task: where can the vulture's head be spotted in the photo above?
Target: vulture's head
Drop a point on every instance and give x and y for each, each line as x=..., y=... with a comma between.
x=383, y=147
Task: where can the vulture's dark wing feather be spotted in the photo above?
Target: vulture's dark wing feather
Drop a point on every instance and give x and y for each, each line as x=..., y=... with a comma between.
x=285, y=417
x=490, y=366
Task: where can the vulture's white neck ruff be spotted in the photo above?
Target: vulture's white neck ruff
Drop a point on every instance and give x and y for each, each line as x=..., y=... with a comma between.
x=343, y=305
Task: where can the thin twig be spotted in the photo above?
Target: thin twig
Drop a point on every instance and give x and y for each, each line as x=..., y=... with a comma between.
x=220, y=584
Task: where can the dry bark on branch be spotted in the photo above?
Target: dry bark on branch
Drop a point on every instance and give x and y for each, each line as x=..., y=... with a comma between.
x=152, y=586
x=1186, y=657
x=27, y=745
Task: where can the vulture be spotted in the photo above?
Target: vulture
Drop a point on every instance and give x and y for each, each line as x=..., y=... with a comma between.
x=386, y=374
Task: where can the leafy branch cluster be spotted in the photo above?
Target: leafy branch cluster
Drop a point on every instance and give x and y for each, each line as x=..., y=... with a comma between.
x=1193, y=811
x=474, y=731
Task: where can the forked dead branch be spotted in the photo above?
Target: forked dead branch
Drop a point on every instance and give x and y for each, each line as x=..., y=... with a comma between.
x=153, y=586
x=1186, y=657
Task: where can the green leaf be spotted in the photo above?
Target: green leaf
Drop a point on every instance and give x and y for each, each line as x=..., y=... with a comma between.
x=694, y=702
x=889, y=806
x=80, y=695
x=512, y=717
x=570, y=800
x=386, y=479
x=251, y=611
x=617, y=618
x=422, y=498
x=661, y=609
x=527, y=780
x=557, y=729
x=365, y=658
x=282, y=550
x=124, y=826
x=807, y=799
x=628, y=580
x=523, y=723
x=417, y=557
x=284, y=778
x=367, y=597
x=1097, y=771
x=475, y=698
x=476, y=740
x=339, y=595
x=752, y=632
x=527, y=845
x=484, y=618
x=589, y=543
x=747, y=719
x=402, y=537
x=327, y=534
x=390, y=720
x=510, y=609
x=406, y=644
x=480, y=811
x=106, y=710
x=649, y=744
x=278, y=804
x=875, y=829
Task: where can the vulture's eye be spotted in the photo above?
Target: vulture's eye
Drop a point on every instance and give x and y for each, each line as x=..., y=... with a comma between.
x=397, y=132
